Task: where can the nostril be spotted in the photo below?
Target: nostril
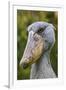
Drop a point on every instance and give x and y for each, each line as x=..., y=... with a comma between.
x=24, y=65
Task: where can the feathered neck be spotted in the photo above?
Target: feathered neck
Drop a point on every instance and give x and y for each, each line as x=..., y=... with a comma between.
x=42, y=68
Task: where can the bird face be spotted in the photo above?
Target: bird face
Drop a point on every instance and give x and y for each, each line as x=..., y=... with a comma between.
x=33, y=49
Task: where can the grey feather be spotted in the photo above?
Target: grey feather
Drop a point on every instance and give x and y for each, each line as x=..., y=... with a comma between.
x=43, y=68
x=40, y=41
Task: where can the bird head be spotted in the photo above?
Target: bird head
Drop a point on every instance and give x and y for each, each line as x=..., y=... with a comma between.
x=37, y=43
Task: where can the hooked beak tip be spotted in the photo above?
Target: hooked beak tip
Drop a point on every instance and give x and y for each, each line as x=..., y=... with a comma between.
x=23, y=65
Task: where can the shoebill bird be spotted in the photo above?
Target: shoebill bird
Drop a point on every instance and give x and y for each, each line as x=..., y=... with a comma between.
x=41, y=38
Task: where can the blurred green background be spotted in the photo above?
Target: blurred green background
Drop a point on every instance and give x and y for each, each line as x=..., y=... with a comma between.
x=25, y=18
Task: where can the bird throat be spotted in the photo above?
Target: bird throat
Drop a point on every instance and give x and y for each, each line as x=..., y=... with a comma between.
x=42, y=68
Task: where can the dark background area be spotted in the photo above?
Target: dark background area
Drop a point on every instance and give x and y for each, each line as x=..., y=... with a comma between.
x=24, y=19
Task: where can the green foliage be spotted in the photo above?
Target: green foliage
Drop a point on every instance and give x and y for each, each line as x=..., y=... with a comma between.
x=25, y=18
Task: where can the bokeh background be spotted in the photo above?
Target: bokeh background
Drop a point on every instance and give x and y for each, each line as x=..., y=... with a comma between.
x=24, y=19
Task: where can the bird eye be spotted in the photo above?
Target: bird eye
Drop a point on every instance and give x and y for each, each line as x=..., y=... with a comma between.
x=40, y=30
